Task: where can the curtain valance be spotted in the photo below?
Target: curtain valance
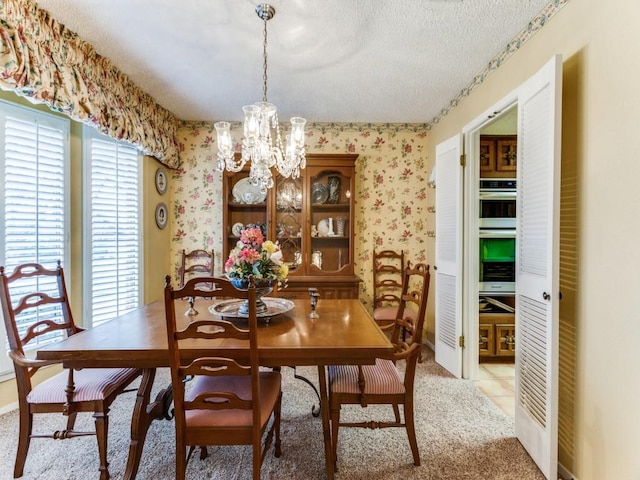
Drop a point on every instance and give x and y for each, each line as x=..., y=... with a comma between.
x=47, y=63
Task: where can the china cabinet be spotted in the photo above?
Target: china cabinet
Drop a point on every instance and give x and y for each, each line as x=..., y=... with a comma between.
x=311, y=217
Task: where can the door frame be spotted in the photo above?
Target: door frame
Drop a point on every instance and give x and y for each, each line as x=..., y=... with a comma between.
x=471, y=257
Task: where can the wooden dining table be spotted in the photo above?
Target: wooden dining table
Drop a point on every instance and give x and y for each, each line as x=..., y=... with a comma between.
x=344, y=333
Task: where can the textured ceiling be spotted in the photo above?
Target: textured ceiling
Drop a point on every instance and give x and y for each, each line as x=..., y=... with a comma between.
x=378, y=61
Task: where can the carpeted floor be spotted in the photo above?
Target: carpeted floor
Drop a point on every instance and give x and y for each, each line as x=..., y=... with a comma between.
x=461, y=436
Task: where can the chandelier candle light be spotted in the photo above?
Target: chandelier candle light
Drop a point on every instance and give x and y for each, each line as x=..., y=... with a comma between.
x=257, y=143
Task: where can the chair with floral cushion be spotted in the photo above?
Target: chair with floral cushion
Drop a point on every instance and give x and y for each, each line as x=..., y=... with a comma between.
x=229, y=401
x=383, y=383
x=69, y=392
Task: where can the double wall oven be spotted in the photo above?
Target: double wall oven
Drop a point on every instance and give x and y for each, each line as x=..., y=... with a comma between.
x=497, y=234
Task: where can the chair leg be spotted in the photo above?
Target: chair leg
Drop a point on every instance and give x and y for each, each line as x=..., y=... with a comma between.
x=71, y=421
x=335, y=424
x=257, y=459
x=24, y=439
x=276, y=418
x=396, y=412
x=181, y=460
x=411, y=433
x=102, y=430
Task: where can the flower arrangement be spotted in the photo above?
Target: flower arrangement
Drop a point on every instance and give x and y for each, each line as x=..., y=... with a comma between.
x=253, y=255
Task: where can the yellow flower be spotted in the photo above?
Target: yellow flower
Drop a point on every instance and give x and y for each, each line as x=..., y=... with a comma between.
x=269, y=247
x=284, y=270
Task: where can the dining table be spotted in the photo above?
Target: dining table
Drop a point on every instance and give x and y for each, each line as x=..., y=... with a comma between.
x=340, y=332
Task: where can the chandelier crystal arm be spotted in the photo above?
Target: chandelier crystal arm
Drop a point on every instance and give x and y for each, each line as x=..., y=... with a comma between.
x=261, y=129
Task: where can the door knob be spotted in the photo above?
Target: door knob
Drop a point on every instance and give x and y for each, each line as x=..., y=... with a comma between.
x=546, y=296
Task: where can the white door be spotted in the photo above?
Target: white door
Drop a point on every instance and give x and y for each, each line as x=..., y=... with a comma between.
x=537, y=288
x=448, y=255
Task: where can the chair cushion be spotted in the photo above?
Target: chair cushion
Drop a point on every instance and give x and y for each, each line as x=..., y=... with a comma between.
x=388, y=314
x=90, y=384
x=270, y=385
x=381, y=378
x=385, y=314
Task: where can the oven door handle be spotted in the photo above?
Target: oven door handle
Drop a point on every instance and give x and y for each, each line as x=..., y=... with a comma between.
x=493, y=195
x=505, y=233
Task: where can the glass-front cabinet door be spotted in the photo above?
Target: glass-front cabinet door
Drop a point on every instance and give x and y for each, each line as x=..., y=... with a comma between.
x=289, y=221
x=330, y=220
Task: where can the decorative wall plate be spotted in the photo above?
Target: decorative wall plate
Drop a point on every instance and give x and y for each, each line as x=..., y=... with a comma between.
x=237, y=229
x=323, y=228
x=161, y=181
x=319, y=193
x=162, y=215
x=244, y=192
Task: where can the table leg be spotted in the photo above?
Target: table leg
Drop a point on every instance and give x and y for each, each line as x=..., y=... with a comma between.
x=326, y=427
x=144, y=412
x=314, y=411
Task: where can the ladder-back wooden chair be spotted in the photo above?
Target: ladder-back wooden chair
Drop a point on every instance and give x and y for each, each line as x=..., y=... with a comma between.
x=388, y=272
x=228, y=402
x=196, y=263
x=383, y=383
x=37, y=295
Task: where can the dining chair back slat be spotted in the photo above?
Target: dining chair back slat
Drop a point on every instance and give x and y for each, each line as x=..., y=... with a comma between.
x=196, y=263
x=388, y=273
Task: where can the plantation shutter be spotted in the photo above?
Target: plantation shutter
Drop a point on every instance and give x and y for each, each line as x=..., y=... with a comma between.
x=34, y=204
x=113, y=217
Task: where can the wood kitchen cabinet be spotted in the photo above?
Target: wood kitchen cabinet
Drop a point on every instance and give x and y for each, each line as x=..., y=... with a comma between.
x=497, y=335
x=498, y=156
x=311, y=217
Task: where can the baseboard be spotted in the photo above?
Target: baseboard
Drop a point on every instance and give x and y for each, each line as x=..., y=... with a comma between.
x=8, y=408
x=429, y=344
x=565, y=474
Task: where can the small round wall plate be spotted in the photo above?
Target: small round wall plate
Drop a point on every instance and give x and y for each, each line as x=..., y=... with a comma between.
x=162, y=215
x=237, y=229
x=161, y=181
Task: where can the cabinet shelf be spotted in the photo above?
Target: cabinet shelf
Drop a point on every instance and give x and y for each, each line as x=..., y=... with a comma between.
x=246, y=206
x=331, y=207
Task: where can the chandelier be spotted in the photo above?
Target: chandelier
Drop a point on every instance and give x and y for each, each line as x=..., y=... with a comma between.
x=262, y=143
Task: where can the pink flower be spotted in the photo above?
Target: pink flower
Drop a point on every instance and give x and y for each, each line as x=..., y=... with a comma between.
x=248, y=255
x=252, y=237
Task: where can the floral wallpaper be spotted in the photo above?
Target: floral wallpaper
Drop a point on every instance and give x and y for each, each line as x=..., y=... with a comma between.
x=42, y=60
x=392, y=204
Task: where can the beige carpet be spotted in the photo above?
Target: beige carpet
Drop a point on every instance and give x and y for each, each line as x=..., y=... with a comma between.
x=461, y=435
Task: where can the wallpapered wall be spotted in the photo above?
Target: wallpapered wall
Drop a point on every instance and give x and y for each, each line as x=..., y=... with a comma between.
x=392, y=197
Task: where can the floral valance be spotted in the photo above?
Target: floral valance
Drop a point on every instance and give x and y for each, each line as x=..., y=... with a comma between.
x=45, y=62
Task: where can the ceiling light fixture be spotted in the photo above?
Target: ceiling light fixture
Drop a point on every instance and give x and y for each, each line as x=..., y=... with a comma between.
x=257, y=143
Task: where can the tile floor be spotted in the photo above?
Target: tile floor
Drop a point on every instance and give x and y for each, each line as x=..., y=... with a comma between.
x=497, y=381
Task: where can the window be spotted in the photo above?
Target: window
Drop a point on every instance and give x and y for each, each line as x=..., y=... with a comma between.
x=112, y=228
x=34, y=201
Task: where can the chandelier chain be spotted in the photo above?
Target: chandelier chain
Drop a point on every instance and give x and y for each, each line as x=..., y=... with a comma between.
x=264, y=62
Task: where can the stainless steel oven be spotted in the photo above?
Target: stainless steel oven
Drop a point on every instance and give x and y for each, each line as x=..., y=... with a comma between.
x=497, y=203
x=497, y=261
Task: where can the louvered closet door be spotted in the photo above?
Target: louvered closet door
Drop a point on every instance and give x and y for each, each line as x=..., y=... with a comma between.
x=537, y=291
x=448, y=275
